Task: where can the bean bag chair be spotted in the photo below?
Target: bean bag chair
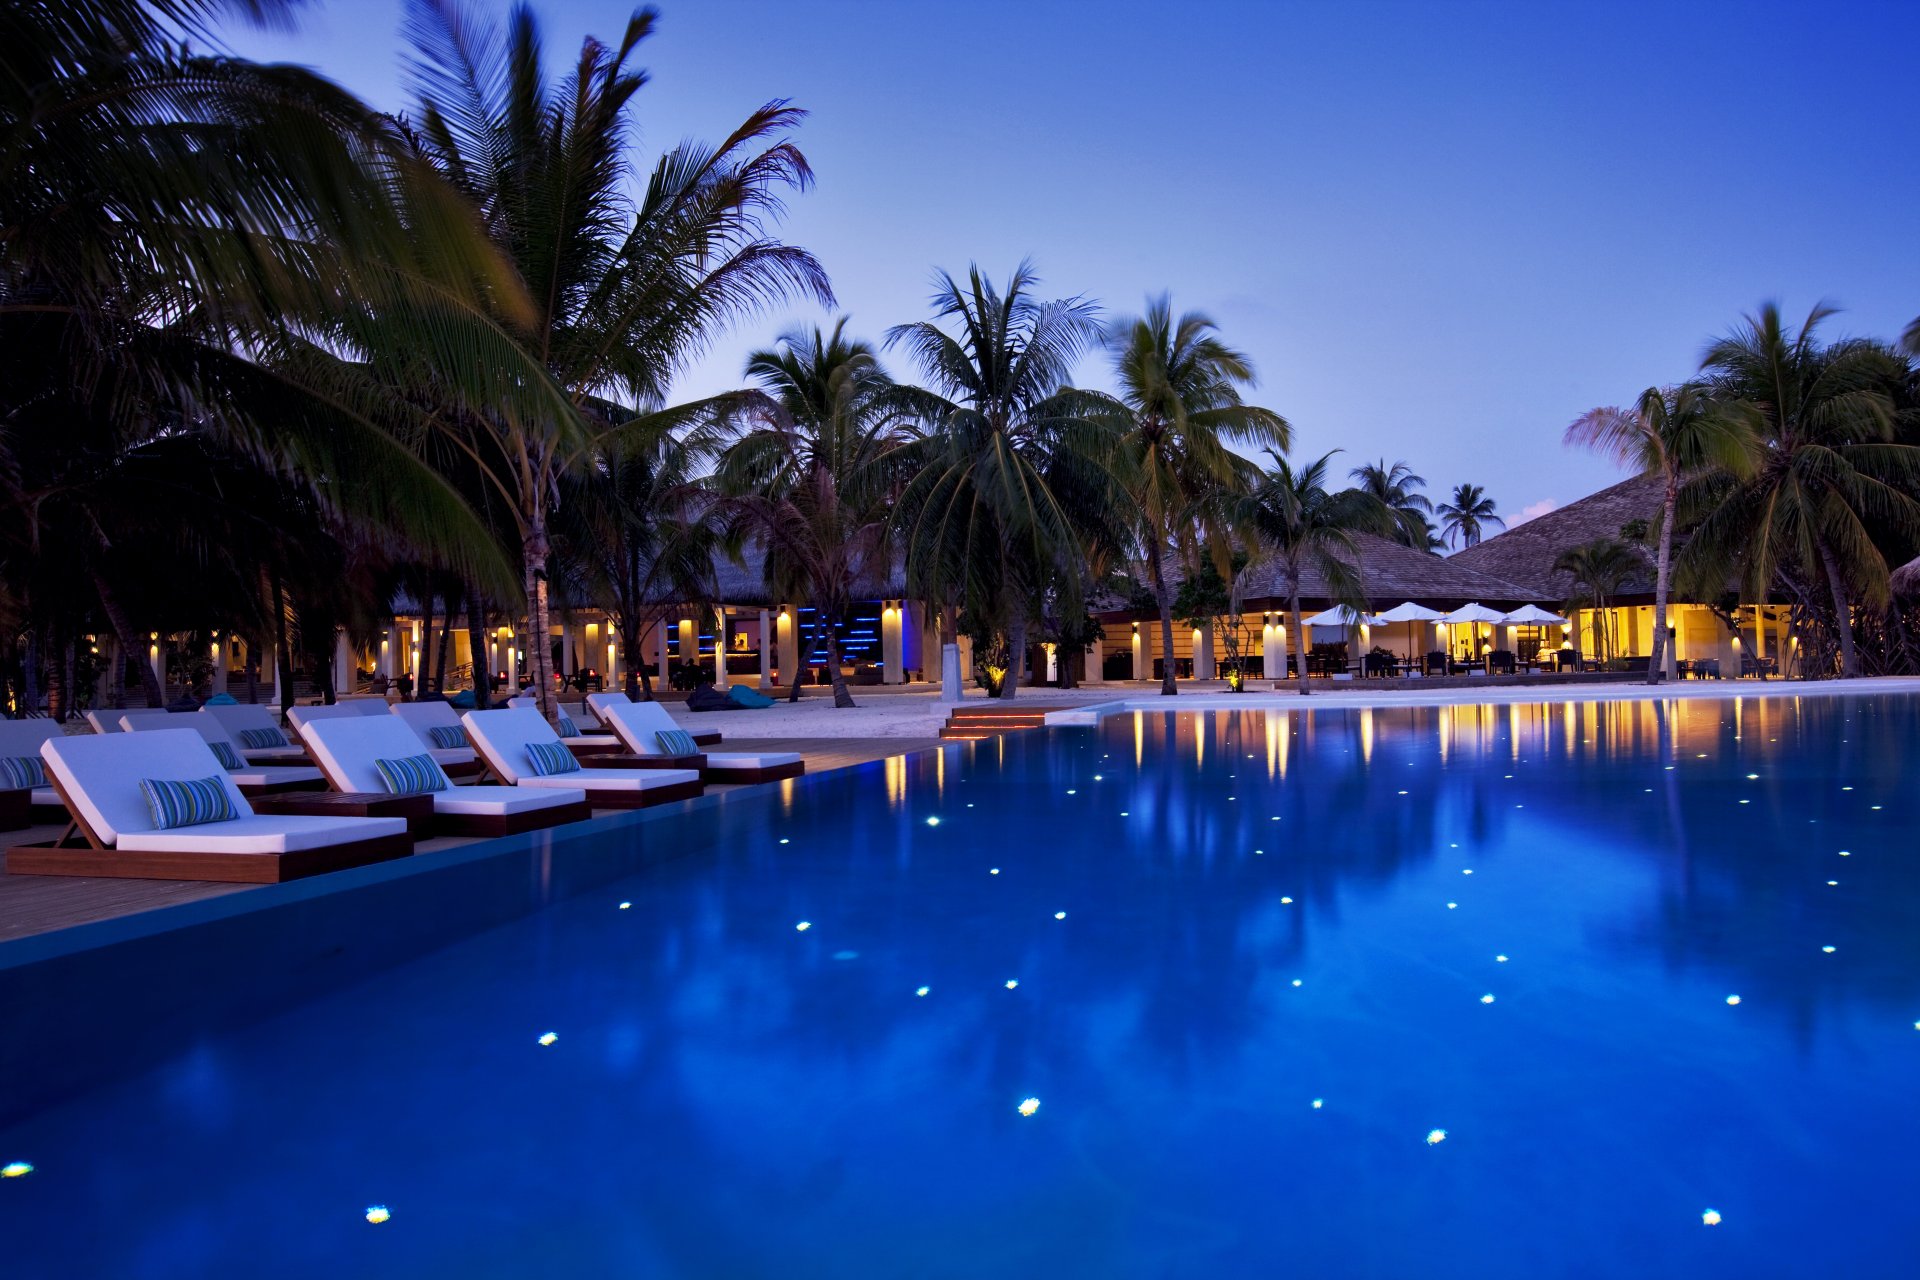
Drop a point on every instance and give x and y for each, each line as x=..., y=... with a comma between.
x=750, y=697
x=708, y=698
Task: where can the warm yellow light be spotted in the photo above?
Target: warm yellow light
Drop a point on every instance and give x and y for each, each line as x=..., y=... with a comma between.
x=18, y=1169
x=379, y=1213
x=1030, y=1106
x=1711, y=1217
x=547, y=1039
x=1436, y=1137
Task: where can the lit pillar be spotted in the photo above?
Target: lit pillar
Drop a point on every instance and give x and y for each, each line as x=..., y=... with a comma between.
x=1142, y=668
x=966, y=658
x=893, y=649
x=689, y=643
x=720, y=648
x=343, y=664
x=219, y=681
x=280, y=695
x=1273, y=647
x=766, y=650
x=1760, y=633
x=1053, y=662
x=788, y=629
x=1203, y=668
x=566, y=649
x=1097, y=660
x=661, y=654
x=157, y=658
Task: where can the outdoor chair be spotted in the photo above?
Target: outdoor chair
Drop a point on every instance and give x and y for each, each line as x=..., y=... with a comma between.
x=1436, y=663
x=21, y=740
x=438, y=727
x=614, y=697
x=352, y=749
x=1500, y=663
x=646, y=729
x=251, y=722
x=503, y=739
x=252, y=779
x=216, y=837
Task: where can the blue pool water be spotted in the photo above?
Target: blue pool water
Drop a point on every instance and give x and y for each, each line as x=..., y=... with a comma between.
x=1266, y=1001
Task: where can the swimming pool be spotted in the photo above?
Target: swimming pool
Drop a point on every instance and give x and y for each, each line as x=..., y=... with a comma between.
x=1568, y=990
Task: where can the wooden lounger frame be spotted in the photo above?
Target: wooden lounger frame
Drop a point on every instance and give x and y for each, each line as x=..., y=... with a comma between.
x=92, y=856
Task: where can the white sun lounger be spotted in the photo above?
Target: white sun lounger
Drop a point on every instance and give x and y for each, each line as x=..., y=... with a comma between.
x=501, y=737
x=637, y=722
x=347, y=748
x=255, y=779
x=98, y=776
x=237, y=717
x=459, y=762
x=24, y=738
x=299, y=716
x=615, y=698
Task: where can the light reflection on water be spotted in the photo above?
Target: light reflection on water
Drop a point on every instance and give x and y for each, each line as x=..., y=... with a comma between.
x=1243, y=1057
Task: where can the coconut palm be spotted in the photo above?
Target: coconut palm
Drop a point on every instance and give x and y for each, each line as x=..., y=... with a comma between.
x=1011, y=481
x=1599, y=569
x=809, y=471
x=1396, y=486
x=1180, y=389
x=1828, y=474
x=1304, y=526
x=1675, y=433
x=625, y=288
x=1464, y=518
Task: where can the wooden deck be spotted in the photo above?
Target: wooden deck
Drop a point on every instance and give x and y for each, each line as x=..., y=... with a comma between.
x=39, y=904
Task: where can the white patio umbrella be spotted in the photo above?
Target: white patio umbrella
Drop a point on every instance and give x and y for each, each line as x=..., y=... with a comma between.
x=1411, y=614
x=1339, y=616
x=1471, y=614
x=1532, y=615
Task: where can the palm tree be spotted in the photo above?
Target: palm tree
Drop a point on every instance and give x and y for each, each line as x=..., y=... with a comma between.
x=1398, y=488
x=1599, y=569
x=1463, y=518
x=1675, y=433
x=1828, y=475
x=1305, y=526
x=1180, y=394
x=624, y=290
x=1011, y=481
x=809, y=474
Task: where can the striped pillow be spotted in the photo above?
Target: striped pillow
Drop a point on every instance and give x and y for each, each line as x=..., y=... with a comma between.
x=676, y=742
x=447, y=736
x=229, y=758
x=411, y=775
x=187, y=804
x=20, y=772
x=550, y=758
x=564, y=726
x=262, y=739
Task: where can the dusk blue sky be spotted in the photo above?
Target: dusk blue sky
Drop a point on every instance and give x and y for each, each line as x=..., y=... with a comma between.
x=1441, y=231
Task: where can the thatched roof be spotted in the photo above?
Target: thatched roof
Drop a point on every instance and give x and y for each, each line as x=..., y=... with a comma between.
x=1525, y=553
x=1390, y=574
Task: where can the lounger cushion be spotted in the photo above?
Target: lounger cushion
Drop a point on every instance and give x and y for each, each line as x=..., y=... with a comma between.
x=499, y=801
x=20, y=772
x=46, y=795
x=186, y=802
x=101, y=774
x=748, y=760
x=502, y=738
x=24, y=737
x=447, y=736
x=262, y=739
x=229, y=758
x=269, y=775
x=593, y=780
x=411, y=775
x=239, y=717
x=636, y=723
x=676, y=742
x=277, y=834
x=547, y=759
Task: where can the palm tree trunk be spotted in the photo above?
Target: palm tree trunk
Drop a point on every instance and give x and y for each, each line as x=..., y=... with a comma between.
x=452, y=602
x=1017, y=652
x=282, y=651
x=30, y=672
x=60, y=678
x=426, y=645
x=802, y=650
x=539, y=655
x=842, y=697
x=129, y=641
x=1657, y=664
x=1164, y=598
x=1299, y=629
x=477, y=642
x=1842, y=608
